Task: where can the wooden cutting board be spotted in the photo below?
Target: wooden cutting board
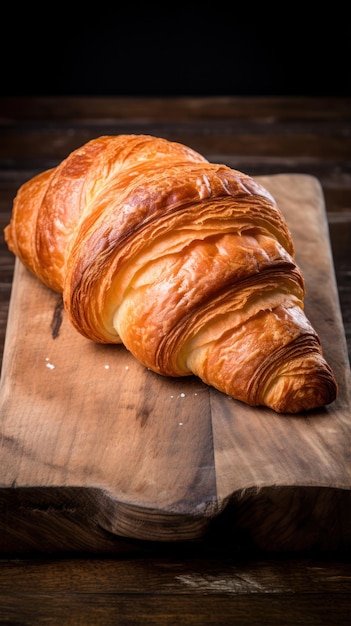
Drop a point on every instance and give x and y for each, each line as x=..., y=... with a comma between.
x=96, y=450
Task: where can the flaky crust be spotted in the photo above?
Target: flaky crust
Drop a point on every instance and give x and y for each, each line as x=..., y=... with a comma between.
x=189, y=264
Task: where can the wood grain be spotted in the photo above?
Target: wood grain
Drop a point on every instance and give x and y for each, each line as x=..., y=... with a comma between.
x=95, y=448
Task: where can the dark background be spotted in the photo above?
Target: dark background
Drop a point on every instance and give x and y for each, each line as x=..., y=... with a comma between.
x=213, y=49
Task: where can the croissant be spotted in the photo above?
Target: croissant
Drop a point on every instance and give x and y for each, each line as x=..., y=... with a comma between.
x=188, y=263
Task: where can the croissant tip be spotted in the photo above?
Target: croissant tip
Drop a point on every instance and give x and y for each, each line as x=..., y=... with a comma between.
x=310, y=397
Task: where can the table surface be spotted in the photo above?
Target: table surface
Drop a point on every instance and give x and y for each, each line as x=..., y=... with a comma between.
x=201, y=582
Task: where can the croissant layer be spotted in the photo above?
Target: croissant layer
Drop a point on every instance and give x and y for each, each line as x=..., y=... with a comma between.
x=189, y=264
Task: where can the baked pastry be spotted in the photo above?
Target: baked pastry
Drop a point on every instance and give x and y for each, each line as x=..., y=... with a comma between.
x=188, y=263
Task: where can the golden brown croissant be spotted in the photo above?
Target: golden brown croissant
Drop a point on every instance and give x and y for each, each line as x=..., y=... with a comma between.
x=189, y=264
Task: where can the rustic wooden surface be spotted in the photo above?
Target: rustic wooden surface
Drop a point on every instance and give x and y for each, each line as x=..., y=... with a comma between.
x=158, y=458
x=197, y=583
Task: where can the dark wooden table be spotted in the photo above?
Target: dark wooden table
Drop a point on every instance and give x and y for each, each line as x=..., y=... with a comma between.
x=204, y=582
